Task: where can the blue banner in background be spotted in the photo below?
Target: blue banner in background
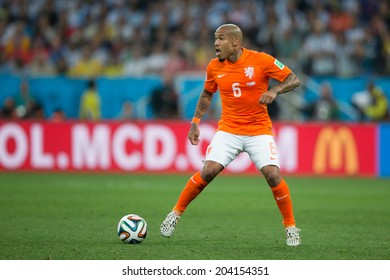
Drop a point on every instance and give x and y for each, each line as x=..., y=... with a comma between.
x=64, y=93
x=384, y=150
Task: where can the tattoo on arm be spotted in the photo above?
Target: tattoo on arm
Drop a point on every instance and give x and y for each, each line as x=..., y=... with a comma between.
x=203, y=103
x=289, y=83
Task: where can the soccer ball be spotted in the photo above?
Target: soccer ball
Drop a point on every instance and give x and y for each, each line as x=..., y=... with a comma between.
x=132, y=229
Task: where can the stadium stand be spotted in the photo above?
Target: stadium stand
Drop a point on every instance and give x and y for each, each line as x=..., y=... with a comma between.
x=127, y=45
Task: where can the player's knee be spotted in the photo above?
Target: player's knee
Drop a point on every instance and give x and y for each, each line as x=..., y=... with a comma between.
x=273, y=177
x=208, y=174
x=210, y=171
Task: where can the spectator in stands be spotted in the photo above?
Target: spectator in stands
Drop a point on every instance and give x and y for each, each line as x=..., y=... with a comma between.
x=158, y=59
x=37, y=112
x=19, y=68
x=43, y=30
x=176, y=61
x=267, y=34
x=164, y=101
x=57, y=54
x=378, y=109
x=288, y=46
x=9, y=110
x=26, y=105
x=127, y=112
x=90, y=103
x=41, y=65
x=5, y=65
x=61, y=66
x=137, y=64
x=345, y=64
x=58, y=115
x=320, y=49
x=339, y=20
x=325, y=108
x=88, y=66
x=372, y=103
x=202, y=52
x=17, y=42
x=114, y=67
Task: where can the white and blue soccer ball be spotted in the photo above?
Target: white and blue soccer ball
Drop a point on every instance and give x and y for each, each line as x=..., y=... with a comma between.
x=132, y=229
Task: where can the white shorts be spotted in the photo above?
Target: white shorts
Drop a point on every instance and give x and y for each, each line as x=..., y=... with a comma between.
x=225, y=147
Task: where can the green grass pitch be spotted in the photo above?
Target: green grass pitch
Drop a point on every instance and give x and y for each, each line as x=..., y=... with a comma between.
x=74, y=216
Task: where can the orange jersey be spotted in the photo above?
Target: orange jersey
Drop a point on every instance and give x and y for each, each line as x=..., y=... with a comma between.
x=240, y=85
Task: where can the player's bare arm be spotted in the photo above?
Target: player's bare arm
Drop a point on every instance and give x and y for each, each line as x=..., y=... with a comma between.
x=203, y=104
x=289, y=83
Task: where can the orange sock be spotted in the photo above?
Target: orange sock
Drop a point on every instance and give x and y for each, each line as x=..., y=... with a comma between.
x=283, y=200
x=192, y=189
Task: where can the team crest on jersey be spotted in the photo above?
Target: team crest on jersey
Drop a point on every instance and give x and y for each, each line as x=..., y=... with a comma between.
x=249, y=72
x=279, y=64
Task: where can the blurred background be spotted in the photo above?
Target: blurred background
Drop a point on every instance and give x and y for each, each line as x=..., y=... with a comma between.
x=147, y=58
x=141, y=61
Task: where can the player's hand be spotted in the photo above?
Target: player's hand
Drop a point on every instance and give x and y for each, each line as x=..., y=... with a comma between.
x=193, y=134
x=268, y=97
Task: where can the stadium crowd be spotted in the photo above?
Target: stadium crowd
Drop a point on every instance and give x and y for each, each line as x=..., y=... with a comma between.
x=136, y=37
x=86, y=38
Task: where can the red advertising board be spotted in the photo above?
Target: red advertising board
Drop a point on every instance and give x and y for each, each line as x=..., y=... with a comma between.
x=162, y=146
x=328, y=149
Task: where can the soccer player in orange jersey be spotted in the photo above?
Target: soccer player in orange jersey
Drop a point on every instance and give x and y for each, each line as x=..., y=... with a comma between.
x=242, y=76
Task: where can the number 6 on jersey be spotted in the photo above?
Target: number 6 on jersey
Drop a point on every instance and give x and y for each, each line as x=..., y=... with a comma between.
x=236, y=89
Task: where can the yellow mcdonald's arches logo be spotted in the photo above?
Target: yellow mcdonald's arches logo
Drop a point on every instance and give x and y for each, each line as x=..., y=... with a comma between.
x=334, y=145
